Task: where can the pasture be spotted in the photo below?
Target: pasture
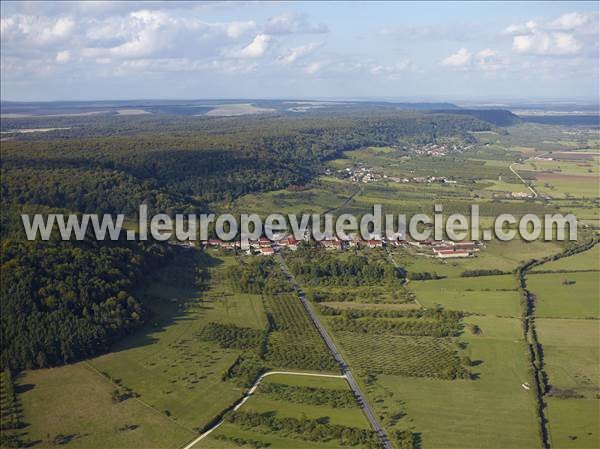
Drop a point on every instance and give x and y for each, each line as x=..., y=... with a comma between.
x=491, y=410
x=585, y=261
x=566, y=295
x=489, y=295
x=571, y=354
x=83, y=413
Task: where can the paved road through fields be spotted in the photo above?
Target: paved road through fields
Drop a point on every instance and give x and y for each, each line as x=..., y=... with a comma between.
x=368, y=411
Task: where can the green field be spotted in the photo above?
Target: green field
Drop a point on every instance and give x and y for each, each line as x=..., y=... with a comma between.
x=587, y=260
x=493, y=295
x=566, y=295
x=75, y=402
x=574, y=423
x=571, y=354
x=571, y=357
x=491, y=411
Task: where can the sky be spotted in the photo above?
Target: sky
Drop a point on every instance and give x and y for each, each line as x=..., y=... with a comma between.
x=198, y=50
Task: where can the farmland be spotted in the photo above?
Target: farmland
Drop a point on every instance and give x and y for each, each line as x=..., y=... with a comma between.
x=569, y=337
x=437, y=345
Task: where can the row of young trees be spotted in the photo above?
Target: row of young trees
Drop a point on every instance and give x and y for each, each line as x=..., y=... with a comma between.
x=309, y=395
x=408, y=327
x=316, y=430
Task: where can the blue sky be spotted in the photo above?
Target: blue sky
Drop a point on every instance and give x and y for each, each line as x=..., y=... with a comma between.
x=430, y=50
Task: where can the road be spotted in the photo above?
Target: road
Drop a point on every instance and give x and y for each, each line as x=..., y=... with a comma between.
x=249, y=393
x=522, y=180
x=346, y=201
x=362, y=401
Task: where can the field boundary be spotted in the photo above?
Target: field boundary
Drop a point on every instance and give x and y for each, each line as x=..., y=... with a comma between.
x=535, y=195
x=145, y=404
x=251, y=391
x=540, y=378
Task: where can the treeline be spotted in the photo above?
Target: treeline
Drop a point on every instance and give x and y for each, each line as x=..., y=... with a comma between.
x=305, y=429
x=424, y=276
x=327, y=269
x=397, y=326
x=309, y=395
x=371, y=295
x=64, y=301
x=437, y=313
x=428, y=322
x=482, y=272
x=10, y=406
x=257, y=276
x=245, y=369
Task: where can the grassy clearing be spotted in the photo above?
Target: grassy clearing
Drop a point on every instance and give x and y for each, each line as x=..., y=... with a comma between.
x=574, y=423
x=571, y=354
x=75, y=401
x=587, y=260
x=566, y=295
x=169, y=366
x=494, y=295
x=492, y=411
x=323, y=195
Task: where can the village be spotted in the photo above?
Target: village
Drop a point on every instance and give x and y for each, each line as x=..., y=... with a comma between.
x=440, y=249
x=366, y=175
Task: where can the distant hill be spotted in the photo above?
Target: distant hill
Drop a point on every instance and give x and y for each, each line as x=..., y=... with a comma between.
x=498, y=117
x=427, y=106
x=567, y=120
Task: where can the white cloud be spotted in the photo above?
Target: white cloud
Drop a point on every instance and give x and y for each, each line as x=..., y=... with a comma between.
x=293, y=54
x=238, y=29
x=542, y=43
x=36, y=31
x=254, y=49
x=392, y=71
x=314, y=67
x=60, y=30
x=486, y=60
x=570, y=34
x=570, y=21
x=293, y=24
x=63, y=56
x=461, y=58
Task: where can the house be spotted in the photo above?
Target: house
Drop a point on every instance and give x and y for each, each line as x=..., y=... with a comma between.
x=375, y=243
x=332, y=244
x=264, y=242
x=452, y=253
x=466, y=245
x=355, y=242
x=266, y=251
x=289, y=242
x=221, y=244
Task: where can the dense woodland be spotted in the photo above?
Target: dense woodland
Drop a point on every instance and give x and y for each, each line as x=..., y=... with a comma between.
x=63, y=301
x=327, y=269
